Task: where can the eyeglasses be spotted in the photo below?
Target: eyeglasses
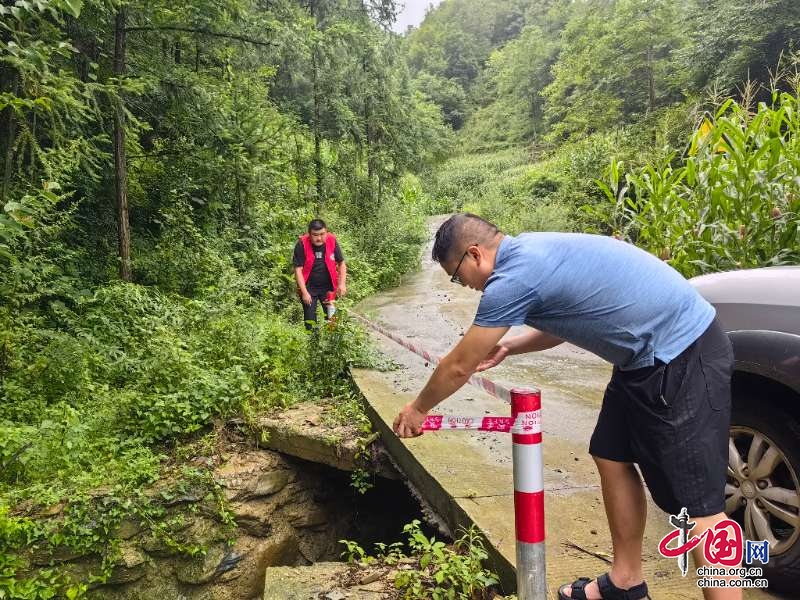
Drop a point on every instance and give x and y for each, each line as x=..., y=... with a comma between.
x=455, y=278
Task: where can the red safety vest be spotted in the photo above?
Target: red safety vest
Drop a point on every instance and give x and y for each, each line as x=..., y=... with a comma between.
x=330, y=262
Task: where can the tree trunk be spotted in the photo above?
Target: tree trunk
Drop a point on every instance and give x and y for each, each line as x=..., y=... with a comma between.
x=368, y=138
x=8, y=163
x=299, y=171
x=317, y=135
x=10, y=137
x=240, y=209
x=120, y=167
x=318, y=172
x=31, y=153
x=651, y=83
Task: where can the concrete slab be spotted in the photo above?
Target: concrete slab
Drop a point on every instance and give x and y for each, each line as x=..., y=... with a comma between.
x=308, y=431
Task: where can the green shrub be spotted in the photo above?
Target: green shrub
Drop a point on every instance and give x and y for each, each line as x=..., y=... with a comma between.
x=134, y=365
x=442, y=571
x=461, y=180
x=383, y=242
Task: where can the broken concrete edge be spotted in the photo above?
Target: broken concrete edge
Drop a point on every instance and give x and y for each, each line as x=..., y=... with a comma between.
x=323, y=447
x=440, y=502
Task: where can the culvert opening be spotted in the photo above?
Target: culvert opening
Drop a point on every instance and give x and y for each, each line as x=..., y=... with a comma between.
x=378, y=515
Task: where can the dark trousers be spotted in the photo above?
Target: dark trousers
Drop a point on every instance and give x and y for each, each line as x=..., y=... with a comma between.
x=310, y=310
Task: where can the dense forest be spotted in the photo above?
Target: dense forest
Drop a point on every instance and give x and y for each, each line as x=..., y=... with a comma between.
x=160, y=159
x=670, y=124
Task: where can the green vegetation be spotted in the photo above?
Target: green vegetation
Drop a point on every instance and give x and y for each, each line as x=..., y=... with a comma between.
x=437, y=570
x=732, y=203
x=507, y=187
x=580, y=116
x=159, y=160
x=544, y=71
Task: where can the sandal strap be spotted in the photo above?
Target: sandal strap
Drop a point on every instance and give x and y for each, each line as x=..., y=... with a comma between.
x=576, y=589
x=611, y=592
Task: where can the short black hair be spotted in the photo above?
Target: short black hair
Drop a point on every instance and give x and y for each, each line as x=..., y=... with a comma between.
x=316, y=224
x=460, y=230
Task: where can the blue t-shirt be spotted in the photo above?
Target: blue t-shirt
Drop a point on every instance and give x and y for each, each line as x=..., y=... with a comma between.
x=604, y=295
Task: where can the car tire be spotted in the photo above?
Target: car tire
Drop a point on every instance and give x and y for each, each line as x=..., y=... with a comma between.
x=771, y=484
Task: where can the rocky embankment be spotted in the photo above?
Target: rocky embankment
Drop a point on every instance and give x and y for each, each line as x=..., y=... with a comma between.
x=281, y=497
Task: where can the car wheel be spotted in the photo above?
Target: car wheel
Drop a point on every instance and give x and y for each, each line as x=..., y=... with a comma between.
x=763, y=488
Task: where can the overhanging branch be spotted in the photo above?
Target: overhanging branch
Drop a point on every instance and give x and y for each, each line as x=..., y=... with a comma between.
x=208, y=32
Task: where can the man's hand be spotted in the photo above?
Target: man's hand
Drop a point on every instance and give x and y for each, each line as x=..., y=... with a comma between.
x=306, y=298
x=409, y=422
x=341, y=290
x=494, y=358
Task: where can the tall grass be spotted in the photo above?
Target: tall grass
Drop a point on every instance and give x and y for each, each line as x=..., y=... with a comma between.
x=520, y=191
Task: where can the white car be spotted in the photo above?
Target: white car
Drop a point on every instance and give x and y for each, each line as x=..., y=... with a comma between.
x=760, y=310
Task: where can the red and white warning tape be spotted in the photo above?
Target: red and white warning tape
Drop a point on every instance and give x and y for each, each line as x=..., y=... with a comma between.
x=527, y=423
x=525, y=426
x=489, y=386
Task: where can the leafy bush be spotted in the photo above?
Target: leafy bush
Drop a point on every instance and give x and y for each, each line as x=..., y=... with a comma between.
x=95, y=396
x=131, y=366
x=506, y=189
x=383, y=242
x=180, y=261
x=460, y=180
x=441, y=571
x=551, y=188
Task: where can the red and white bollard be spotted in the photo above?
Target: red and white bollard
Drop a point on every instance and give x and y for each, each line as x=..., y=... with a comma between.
x=526, y=410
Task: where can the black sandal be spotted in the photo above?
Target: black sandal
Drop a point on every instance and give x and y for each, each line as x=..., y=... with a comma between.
x=608, y=591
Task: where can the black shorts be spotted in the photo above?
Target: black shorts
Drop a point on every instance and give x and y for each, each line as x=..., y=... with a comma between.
x=672, y=420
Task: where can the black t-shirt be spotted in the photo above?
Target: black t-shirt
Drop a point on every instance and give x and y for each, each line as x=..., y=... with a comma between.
x=319, y=281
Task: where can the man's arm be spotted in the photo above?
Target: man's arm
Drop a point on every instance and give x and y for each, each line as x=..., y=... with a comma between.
x=341, y=268
x=301, y=285
x=452, y=372
x=530, y=341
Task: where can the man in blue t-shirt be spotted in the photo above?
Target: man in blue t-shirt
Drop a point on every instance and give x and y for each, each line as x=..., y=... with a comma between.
x=667, y=406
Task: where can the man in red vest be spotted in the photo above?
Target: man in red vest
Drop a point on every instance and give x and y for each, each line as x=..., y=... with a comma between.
x=319, y=269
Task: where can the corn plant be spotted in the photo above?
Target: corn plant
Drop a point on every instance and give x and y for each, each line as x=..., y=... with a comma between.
x=732, y=202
